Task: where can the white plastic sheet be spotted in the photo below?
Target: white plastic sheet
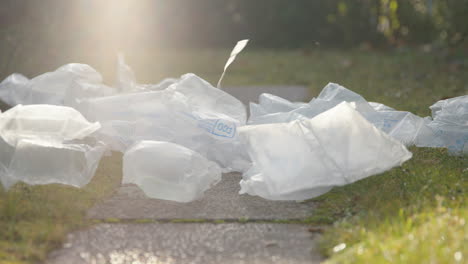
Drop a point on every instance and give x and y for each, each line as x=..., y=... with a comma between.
x=169, y=171
x=305, y=158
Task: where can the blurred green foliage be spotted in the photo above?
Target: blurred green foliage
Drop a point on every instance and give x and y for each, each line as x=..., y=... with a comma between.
x=270, y=23
x=56, y=28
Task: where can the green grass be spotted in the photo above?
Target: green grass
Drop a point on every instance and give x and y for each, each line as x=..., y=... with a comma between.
x=35, y=219
x=413, y=214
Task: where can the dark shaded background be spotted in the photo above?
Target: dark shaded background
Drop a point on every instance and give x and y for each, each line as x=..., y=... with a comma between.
x=54, y=28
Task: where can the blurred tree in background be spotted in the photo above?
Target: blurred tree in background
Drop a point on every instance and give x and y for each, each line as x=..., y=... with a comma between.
x=270, y=23
x=56, y=26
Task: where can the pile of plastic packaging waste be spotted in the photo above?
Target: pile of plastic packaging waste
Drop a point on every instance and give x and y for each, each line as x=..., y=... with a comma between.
x=180, y=135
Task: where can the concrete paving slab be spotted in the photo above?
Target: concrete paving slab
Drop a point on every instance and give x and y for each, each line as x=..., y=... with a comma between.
x=189, y=243
x=250, y=93
x=220, y=202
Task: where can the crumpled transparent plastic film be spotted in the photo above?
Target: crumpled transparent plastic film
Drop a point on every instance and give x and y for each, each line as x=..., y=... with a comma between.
x=126, y=80
x=46, y=122
x=401, y=125
x=191, y=113
x=168, y=171
x=305, y=158
x=14, y=89
x=65, y=86
x=42, y=144
x=451, y=123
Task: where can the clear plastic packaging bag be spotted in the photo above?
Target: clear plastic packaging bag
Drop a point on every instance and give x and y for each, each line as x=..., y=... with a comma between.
x=168, y=171
x=42, y=144
x=305, y=158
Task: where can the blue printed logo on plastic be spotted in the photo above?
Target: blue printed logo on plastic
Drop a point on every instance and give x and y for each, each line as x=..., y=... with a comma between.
x=223, y=129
